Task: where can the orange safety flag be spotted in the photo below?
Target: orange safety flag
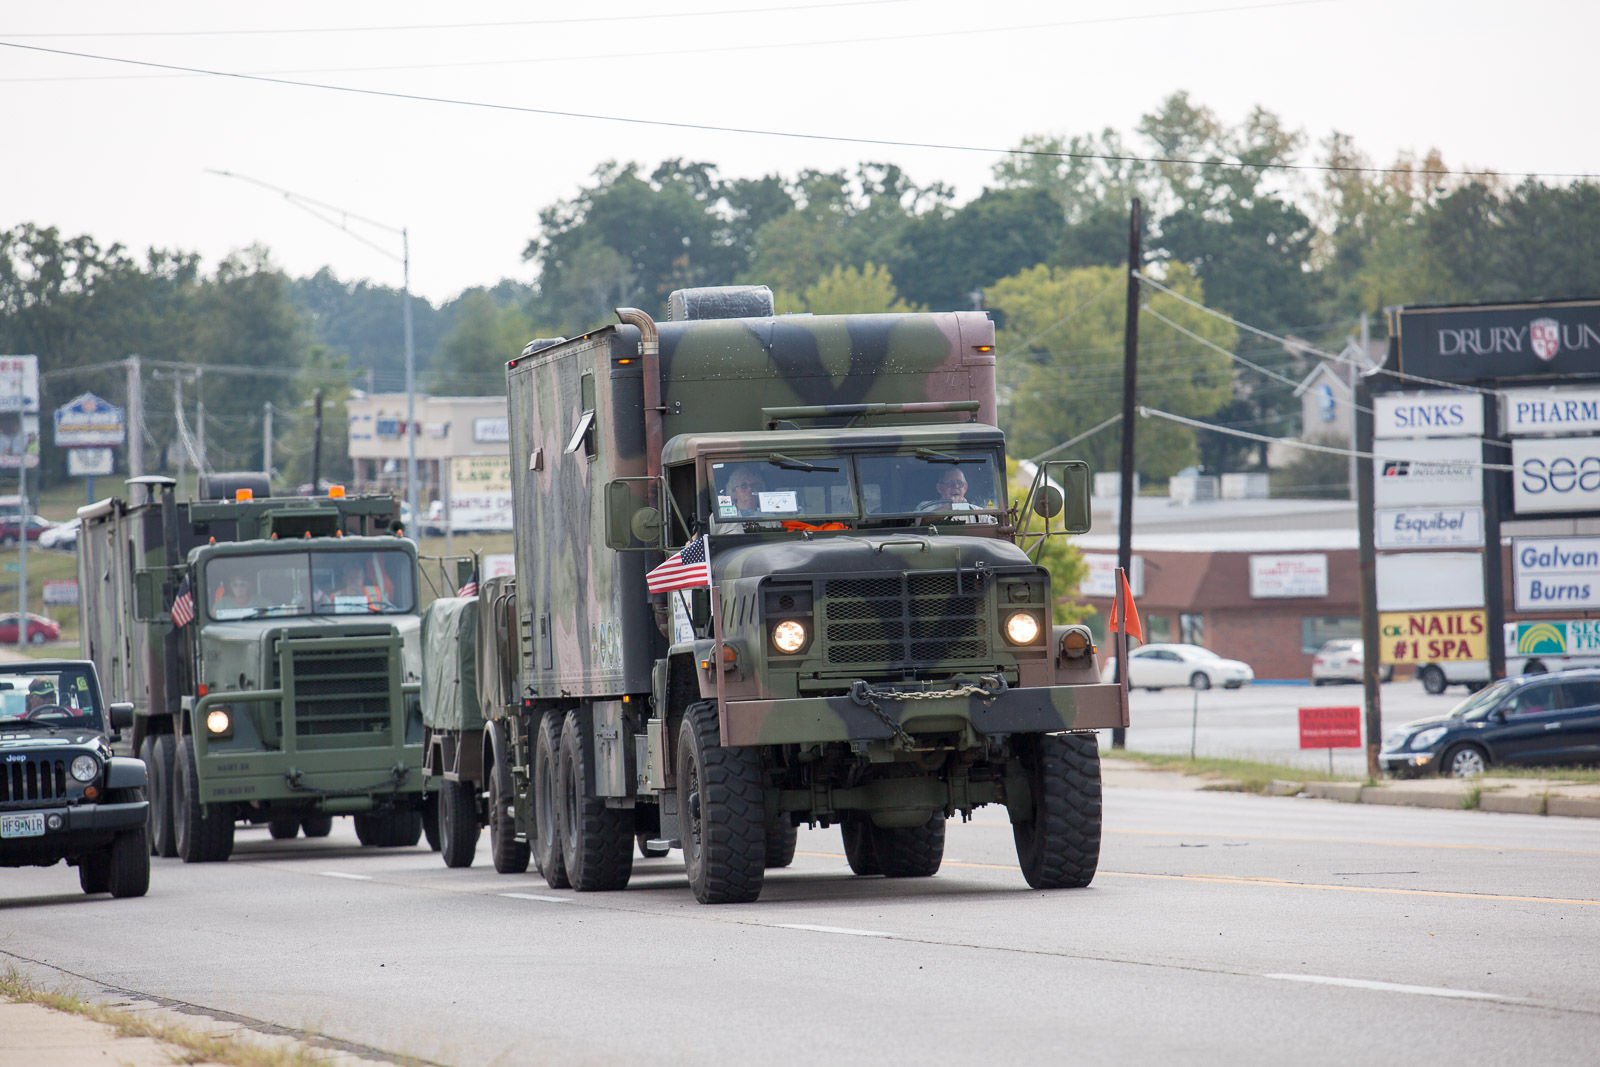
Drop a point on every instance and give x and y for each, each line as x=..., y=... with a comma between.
x=1134, y=627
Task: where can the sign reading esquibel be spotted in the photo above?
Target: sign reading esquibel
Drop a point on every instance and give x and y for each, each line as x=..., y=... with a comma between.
x=1556, y=573
x=1551, y=474
x=1431, y=636
x=1462, y=344
x=1438, y=414
x=1429, y=527
x=1424, y=473
x=1527, y=411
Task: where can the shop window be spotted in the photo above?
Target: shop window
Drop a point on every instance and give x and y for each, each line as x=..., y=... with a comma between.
x=1157, y=628
x=1318, y=630
x=1192, y=628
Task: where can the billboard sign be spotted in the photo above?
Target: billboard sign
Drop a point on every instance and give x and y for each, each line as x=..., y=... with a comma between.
x=1567, y=637
x=1464, y=344
x=19, y=440
x=1555, y=474
x=1330, y=727
x=61, y=591
x=19, y=384
x=1447, y=527
x=496, y=431
x=1101, y=581
x=88, y=462
x=1440, y=414
x=480, y=493
x=89, y=421
x=1301, y=575
x=1556, y=573
x=1568, y=411
x=1420, y=580
x=1425, y=472
x=1433, y=636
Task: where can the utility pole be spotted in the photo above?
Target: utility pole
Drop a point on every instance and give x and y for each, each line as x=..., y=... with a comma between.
x=1371, y=639
x=266, y=439
x=1130, y=385
x=316, y=447
x=22, y=547
x=411, y=386
x=177, y=407
x=135, y=417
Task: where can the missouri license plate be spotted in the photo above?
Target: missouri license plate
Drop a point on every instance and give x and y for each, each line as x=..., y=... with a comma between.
x=28, y=824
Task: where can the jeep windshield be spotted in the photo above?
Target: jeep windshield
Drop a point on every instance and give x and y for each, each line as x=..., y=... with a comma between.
x=53, y=696
x=290, y=585
x=917, y=485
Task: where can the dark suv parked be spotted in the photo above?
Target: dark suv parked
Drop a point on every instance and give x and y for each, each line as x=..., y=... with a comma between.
x=1540, y=720
x=63, y=795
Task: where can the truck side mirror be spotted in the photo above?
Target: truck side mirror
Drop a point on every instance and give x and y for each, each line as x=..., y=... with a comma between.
x=633, y=524
x=1061, y=488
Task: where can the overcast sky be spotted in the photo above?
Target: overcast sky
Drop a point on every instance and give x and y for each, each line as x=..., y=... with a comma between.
x=120, y=152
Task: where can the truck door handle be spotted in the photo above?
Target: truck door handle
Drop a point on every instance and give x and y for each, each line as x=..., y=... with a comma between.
x=1552, y=726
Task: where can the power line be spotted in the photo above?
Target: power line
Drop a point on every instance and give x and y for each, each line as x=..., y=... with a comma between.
x=786, y=134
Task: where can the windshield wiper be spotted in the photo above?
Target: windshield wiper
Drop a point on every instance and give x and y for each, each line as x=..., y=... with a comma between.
x=788, y=464
x=941, y=457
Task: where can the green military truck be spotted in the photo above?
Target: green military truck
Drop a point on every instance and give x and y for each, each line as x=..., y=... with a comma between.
x=845, y=629
x=269, y=647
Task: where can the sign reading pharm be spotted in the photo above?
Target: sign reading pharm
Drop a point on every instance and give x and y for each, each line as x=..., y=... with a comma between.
x=1556, y=573
x=1546, y=411
x=1463, y=344
x=1437, y=414
x=1555, y=474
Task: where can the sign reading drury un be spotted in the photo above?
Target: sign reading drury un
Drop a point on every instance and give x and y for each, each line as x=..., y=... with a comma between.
x=1438, y=414
x=1555, y=474
x=1527, y=411
x=1463, y=344
x=1429, y=527
x=1428, y=473
x=1556, y=573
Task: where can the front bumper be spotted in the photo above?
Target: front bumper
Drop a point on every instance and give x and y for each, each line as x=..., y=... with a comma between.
x=1408, y=764
x=71, y=831
x=808, y=720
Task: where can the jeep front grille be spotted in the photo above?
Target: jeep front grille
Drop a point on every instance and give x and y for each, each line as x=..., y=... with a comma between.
x=33, y=779
x=340, y=692
x=903, y=620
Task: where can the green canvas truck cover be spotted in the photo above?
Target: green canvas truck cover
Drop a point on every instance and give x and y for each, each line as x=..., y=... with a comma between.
x=450, y=665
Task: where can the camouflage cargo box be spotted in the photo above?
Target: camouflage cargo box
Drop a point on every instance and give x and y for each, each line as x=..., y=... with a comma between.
x=450, y=665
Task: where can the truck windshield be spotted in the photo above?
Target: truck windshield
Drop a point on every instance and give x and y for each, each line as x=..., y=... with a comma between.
x=57, y=696
x=956, y=484
x=346, y=582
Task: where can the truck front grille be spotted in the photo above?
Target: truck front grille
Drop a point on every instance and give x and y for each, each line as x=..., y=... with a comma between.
x=904, y=620
x=33, y=779
x=341, y=692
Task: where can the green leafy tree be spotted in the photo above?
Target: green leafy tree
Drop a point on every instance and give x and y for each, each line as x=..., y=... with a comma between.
x=949, y=258
x=485, y=336
x=847, y=291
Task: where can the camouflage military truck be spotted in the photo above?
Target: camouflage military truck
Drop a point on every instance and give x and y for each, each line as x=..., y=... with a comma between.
x=270, y=650
x=845, y=630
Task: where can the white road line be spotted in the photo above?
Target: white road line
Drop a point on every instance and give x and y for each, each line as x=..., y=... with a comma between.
x=833, y=930
x=536, y=896
x=352, y=877
x=1390, y=987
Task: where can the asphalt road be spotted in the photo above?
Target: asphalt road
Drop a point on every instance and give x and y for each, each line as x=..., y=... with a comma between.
x=1261, y=722
x=1221, y=928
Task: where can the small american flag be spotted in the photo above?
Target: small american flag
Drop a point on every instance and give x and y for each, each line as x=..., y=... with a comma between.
x=687, y=568
x=470, y=586
x=183, y=605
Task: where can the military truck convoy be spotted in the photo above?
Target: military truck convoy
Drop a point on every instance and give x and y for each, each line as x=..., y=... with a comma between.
x=846, y=629
x=270, y=650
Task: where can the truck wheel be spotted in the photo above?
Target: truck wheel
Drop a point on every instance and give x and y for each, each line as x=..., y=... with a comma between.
x=720, y=798
x=458, y=823
x=94, y=872
x=858, y=851
x=203, y=837
x=317, y=825
x=284, y=827
x=430, y=820
x=547, y=854
x=129, y=857
x=642, y=839
x=163, y=783
x=912, y=851
x=782, y=836
x=596, y=841
x=1059, y=846
x=389, y=829
x=510, y=855
x=1432, y=679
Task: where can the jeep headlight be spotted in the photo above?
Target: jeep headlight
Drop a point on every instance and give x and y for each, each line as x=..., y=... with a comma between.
x=1022, y=628
x=218, y=721
x=789, y=636
x=85, y=768
x=1427, y=738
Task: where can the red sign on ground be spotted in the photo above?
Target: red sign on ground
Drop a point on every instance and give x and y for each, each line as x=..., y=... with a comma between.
x=1330, y=727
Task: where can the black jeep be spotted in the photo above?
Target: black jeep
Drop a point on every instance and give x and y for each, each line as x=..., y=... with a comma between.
x=63, y=795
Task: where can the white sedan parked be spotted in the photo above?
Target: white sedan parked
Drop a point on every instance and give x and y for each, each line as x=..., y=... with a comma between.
x=1160, y=666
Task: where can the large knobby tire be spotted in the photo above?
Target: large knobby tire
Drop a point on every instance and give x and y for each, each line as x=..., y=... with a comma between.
x=596, y=841
x=316, y=825
x=430, y=821
x=94, y=872
x=162, y=773
x=458, y=823
x=782, y=836
x=147, y=755
x=1059, y=846
x=912, y=851
x=1464, y=761
x=284, y=827
x=1432, y=679
x=389, y=828
x=510, y=856
x=128, y=873
x=856, y=830
x=547, y=854
x=203, y=836
x=721, y=801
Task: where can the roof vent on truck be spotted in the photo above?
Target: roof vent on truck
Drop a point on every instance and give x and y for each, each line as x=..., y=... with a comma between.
x=225, y=485
x=539, y=343
x=720, y=302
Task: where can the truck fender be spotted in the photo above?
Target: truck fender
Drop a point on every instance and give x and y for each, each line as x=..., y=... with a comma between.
x=126, y=772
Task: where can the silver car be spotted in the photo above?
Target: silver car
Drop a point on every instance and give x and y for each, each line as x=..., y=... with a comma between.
x=1341, y=660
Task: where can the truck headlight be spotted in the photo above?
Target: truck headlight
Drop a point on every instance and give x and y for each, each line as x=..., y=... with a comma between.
x=1022, y=628
x=85, y=768
x=218, y=722
x=789, y=636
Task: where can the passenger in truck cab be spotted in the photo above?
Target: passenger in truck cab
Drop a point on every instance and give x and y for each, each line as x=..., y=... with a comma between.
x=351, y=591
x=952, y=490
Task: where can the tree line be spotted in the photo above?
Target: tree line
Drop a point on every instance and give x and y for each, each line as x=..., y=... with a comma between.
x=1246, y=218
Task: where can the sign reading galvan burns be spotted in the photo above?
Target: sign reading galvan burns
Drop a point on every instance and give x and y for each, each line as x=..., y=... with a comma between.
x=1431, y=636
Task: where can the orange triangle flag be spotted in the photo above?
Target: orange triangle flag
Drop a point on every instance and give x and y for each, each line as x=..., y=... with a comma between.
x=1133, y=627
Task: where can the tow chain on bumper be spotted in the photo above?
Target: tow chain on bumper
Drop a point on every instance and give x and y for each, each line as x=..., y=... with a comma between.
x=397, y=778
x=988, y=687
